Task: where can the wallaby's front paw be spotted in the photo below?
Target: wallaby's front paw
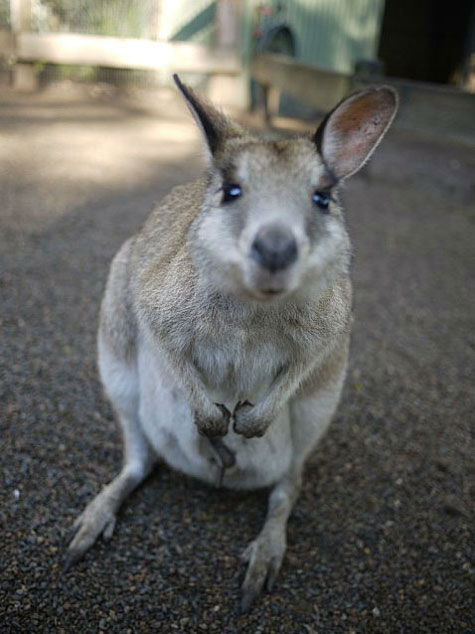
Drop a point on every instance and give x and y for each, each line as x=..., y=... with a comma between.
x=264, y=556
x=98, y=517
x=247, y=421
x=215, y=423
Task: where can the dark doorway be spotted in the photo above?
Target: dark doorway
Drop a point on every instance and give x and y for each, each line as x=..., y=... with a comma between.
x=427, y=40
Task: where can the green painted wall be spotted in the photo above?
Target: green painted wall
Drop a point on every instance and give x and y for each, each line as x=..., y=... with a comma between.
x=185, y=20
x=332, y=33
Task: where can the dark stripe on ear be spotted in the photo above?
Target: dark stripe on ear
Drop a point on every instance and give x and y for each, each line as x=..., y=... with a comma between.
x=330, y=178
x=209, y=130
x=318, y=136
x=318, y=140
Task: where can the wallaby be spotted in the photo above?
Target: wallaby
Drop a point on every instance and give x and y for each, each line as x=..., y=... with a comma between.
x=225, y=323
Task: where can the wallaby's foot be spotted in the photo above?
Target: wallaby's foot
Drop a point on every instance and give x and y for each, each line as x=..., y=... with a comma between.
x=264, y=556
x=98, y=518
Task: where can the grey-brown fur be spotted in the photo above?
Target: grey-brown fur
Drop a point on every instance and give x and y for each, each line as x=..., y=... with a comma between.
x=225, y=323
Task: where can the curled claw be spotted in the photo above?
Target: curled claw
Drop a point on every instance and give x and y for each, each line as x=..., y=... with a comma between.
x=69, y=560
x=215, y=423
x=224, y=411
x=248, y=421
x=240, y=405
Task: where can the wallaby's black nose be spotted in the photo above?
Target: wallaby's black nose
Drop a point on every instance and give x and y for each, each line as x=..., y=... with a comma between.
x=274, y=248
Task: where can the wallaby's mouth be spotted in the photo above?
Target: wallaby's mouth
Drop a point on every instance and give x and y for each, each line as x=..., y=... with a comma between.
x=266, y=286
x=272, y=291
x=268, y=294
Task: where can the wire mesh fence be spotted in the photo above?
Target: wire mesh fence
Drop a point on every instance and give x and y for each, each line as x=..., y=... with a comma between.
x=159, y=20
x=120, y=18
x=5, y=22
x=176, y=20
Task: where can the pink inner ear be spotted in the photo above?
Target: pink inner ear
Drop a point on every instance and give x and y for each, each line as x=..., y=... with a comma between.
x=355, y=128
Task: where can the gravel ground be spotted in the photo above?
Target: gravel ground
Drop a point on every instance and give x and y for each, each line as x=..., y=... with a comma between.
x=381, y=539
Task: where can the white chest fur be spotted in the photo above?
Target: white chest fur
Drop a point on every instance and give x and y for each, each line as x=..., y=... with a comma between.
x=237, y=368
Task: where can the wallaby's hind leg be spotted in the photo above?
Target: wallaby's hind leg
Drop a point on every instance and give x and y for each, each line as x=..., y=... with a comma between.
x=265, y=554
x=311, y=415
x=121, y=382
x=100, y=515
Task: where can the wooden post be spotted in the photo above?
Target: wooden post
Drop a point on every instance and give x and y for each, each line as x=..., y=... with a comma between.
x=20, y=15
x=24, y=75
x=272, y=95
x=228, y=91
x=227, y=23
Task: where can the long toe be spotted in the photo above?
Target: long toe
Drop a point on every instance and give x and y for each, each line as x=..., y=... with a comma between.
x=265, y=555
x=98, y=518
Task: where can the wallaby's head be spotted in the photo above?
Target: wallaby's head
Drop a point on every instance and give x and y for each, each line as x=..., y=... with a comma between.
x=270, y=224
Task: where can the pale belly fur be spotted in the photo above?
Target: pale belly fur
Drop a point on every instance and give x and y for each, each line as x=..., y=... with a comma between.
x=167, y=420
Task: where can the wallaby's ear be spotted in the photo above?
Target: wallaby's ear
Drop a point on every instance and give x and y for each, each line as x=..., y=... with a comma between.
x=348, y=135
x=214, y=125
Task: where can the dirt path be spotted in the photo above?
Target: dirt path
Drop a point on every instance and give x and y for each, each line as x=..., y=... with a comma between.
x=380, y=541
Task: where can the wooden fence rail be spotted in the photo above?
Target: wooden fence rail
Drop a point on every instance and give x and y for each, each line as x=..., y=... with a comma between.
x=316, y=86
x=436, y=109
x=96, y=50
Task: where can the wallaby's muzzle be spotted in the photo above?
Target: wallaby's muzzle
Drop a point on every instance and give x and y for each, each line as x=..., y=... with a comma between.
x=274, y=248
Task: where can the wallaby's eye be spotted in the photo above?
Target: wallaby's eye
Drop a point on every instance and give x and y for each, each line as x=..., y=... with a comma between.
x=231, y=192
x=322, y=200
